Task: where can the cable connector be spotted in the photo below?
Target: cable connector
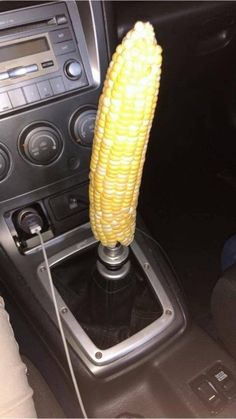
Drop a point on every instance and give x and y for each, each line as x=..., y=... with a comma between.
x=35, y=229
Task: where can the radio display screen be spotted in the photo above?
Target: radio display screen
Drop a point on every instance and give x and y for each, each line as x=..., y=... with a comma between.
x=23, y=49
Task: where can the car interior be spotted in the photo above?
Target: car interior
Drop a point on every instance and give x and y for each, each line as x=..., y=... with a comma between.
x=152, y=335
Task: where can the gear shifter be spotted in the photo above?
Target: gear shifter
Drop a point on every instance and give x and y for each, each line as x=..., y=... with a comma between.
x=112, y=287
x=124, y=119
x=114, y=295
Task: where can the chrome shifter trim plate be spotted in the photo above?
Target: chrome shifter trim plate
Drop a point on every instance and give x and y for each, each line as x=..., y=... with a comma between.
x=82, y=344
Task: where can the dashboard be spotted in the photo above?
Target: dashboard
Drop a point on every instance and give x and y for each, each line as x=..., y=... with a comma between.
x=54, y=58
x=51, y=72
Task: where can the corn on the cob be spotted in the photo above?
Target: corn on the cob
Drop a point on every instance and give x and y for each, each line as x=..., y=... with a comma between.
x=124, y=119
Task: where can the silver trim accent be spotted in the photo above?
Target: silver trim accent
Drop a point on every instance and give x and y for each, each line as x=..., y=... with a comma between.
x=113, y=275
x=31, y=68
x=113, y=256
x=17, y=72
x=95, y=62
x=80, y=341
x=4, y=76
x=51, y=242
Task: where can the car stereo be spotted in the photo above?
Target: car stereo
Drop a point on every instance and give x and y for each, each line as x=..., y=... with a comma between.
x=39, y=56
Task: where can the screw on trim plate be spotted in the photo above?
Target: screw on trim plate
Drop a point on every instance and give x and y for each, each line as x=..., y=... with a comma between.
x=146, y=266
x=64, y=310
x=168, y=312
x=98, y=355
x=42, y=268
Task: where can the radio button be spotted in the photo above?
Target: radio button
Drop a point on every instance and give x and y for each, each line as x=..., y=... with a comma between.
x=5, y=103
x=31, y=68
x=64, y=47
x=61, y=35
x=4, y=76
x=17, y=98
x=45, y=89
x=17, y=72
x=61, y=19
x=31, y=93
x=47, y=64
x=57, y=85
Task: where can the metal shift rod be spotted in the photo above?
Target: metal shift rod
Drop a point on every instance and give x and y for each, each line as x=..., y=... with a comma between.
x=113, y=263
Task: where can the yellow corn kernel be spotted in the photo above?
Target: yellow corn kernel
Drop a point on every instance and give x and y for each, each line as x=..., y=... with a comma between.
x=124, y=119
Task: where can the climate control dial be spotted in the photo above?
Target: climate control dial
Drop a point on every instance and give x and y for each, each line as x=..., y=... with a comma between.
x=4, y=162
x=82, y=126
x=41, y=144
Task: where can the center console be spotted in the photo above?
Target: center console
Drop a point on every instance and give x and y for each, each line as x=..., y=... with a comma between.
x=54, y=59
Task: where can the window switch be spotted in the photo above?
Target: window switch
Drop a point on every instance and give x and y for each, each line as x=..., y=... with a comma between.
x=223, y=380
x=208, y=394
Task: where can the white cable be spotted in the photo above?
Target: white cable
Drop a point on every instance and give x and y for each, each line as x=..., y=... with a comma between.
x=81, y=404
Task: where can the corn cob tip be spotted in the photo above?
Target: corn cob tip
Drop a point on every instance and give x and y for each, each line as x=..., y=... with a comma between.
x=142, y=29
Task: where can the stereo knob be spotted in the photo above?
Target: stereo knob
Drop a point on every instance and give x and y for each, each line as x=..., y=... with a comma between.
x=83, y=124
x=41, y=144
x=73, y=69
